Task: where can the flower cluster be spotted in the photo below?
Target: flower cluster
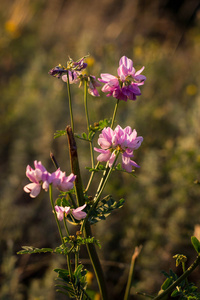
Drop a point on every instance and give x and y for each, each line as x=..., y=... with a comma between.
x=122, y=140
x=126, y=85
x=41, y=178
x=77, y=213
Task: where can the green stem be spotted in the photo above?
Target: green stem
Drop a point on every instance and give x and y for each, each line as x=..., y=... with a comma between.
x=96, y=264
x=88, y=122
x=179, y=280
x=66, y=228
x=54, y=211
x=114, y=113
x=59, y=229
x=131, y=272
x=100, y=190
x=70, y=102
x=183, y=267
x=112, y=123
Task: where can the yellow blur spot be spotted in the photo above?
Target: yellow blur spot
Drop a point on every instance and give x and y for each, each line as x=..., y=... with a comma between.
x=12, y=28
x=89, y=278
x=198, y=158
x=97, y=297
x=137, y=51
x=191, y=89
x=90, y=61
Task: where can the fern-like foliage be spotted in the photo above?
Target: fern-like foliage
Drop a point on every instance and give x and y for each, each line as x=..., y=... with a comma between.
x=104, y=209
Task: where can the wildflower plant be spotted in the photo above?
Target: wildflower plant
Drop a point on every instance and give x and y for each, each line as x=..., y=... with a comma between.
x=74, y=204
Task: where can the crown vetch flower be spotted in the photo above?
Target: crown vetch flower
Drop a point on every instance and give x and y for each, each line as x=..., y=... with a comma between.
x=61, y=181
x=60, y=211
x=78, y=213
x=123, y=140
x=125, y=86
x=41, y=178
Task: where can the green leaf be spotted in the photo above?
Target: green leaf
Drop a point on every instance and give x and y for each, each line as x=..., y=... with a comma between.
x=104, y=209
x=59, y=133
x=196, y=244
x=33, y=250
x=166, y=283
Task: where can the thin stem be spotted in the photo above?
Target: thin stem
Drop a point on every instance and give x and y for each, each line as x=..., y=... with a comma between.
x=114, y=113
x=66, y=228
x=72, y=200
x=112, y=123
x=54, y=211
x=59, y=229
x=70, y=102
x=183, y=267
x=100, y=190
x=179, y=280
x=88, y=122
x=131, y=272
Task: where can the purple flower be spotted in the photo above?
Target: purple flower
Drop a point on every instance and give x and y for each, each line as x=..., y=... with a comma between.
x=78, y=213
x=125, y=86
x=39, y=177
x=123, y=140
x=57, y=71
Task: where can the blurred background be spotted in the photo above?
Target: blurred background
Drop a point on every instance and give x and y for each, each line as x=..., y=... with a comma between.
x=162, y=207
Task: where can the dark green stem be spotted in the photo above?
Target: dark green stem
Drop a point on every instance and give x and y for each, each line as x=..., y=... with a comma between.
x=179, y=280
x=70, y=102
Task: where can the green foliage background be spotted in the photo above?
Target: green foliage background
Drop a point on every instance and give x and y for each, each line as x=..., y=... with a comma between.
x=162, y=204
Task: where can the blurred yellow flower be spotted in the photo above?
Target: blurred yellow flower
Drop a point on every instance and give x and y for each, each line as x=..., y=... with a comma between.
x=12, y=28
x=90, y=61
x=191, y=89
x=97, y=297
x=89, y=277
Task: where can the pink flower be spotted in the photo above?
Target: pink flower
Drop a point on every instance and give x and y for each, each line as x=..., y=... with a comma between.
x=73, y=77
x=42, y=179
x=78, y=213
x=60, y=211
x=125, y=86
x=123, y=140
x=92, y=86
x=62, y=182
x=39, y=177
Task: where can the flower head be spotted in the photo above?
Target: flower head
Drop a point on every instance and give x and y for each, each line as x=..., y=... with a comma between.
x=123, y=140
x=60, y=211
x=78, y=213
x=125, y=85
x=61, y=181
x=39, y=177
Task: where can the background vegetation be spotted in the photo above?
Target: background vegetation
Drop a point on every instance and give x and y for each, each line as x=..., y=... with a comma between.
x=162, y=204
